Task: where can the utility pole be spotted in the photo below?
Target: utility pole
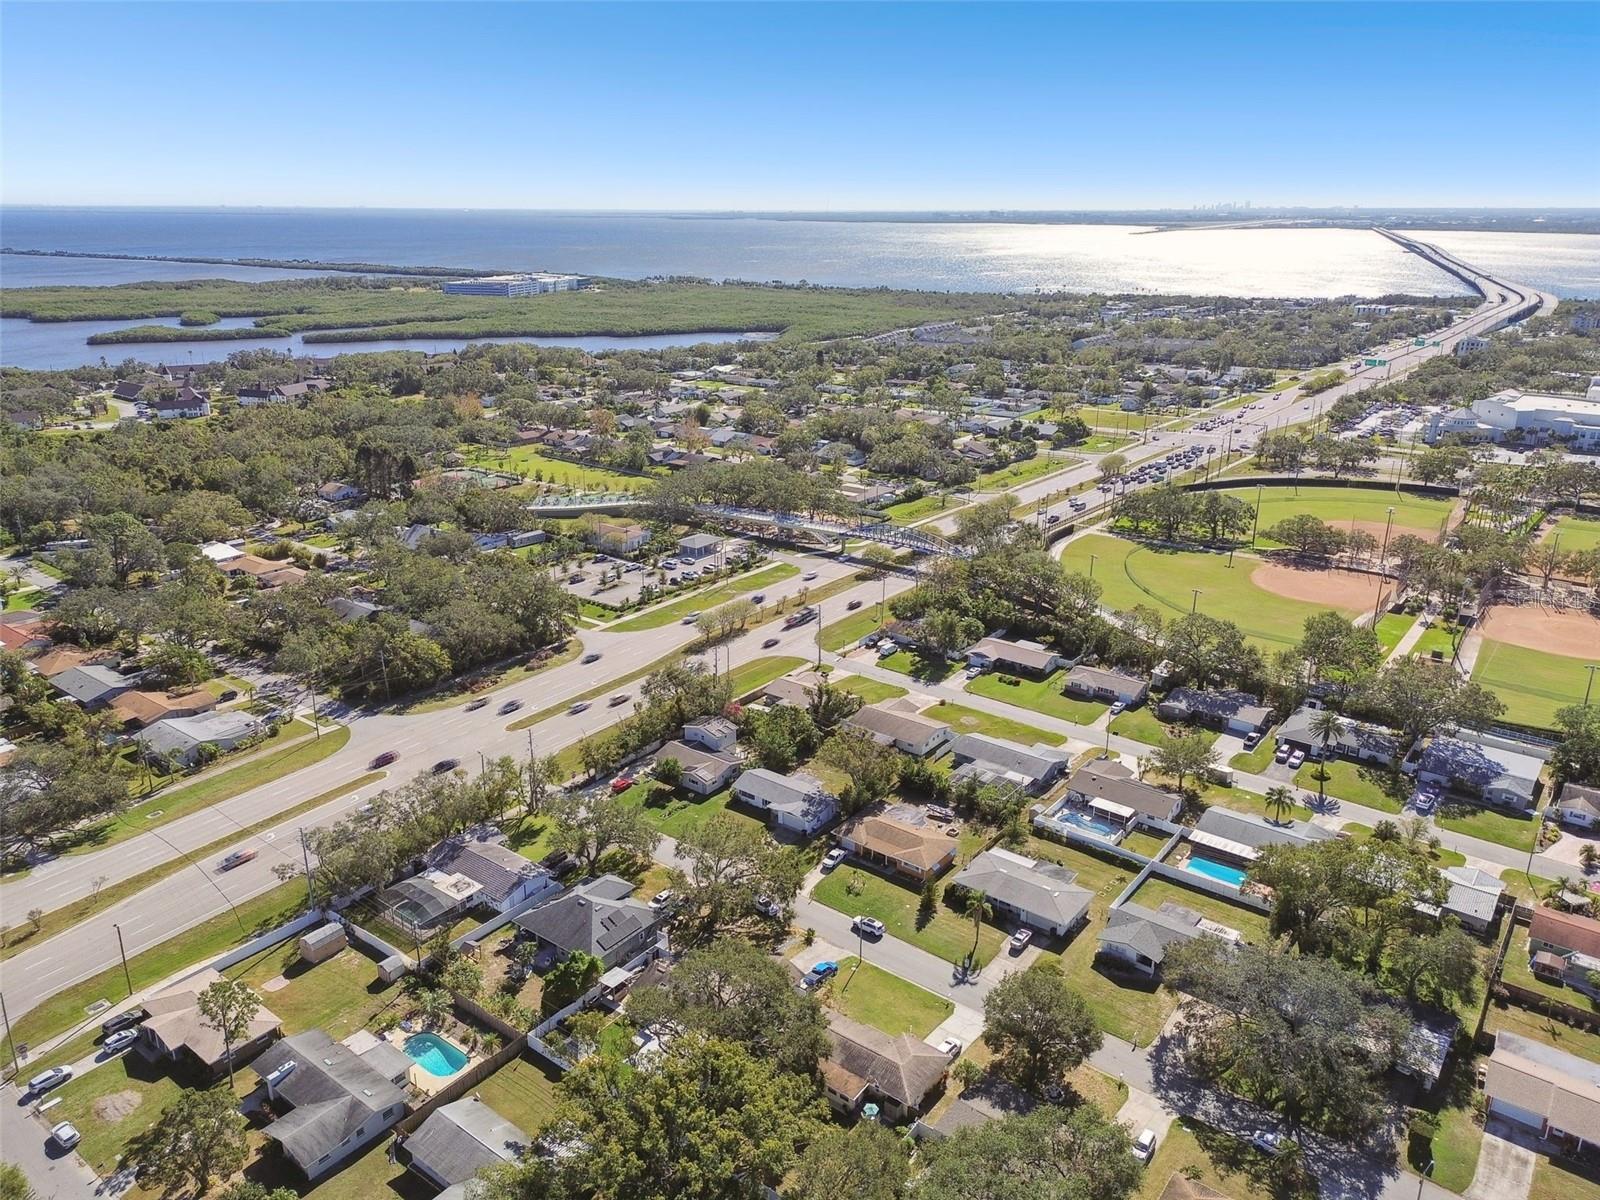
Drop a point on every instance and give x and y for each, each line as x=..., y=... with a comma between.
x=1256, y=524
x=16, y=1065
x=126, y=975
x=305, y=857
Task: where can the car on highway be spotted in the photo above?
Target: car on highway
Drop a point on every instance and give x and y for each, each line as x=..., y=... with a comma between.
x=125, y=1020
x=65, y=1135
x=119, y=1042
x=832, y=859
x=580, y=706
x=853, y=605
x=619, y=698
x=1053, y=519
x=45, y=1080
x=769, y=643
x=759, y=598
x=690, y=618
x=510, y=706
x=446, y=764
x=237, y=858
x=622, y=783
x=870, y=926
x=808, y=576
x=384, y=759
x=1297, y=760
x=1144, y=1146
x=476, y=705
x=592, y=657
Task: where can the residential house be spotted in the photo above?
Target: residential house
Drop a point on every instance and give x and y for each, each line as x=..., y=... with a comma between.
x=1579, y=805
x=616, y=537
x=1553, y=1093
x=1474, y=898
x=57, y=659
x=139, y=709
x=900, y=839
x=93, y=686
x=789, y=690
x=704, y=771
x=331, y=1101
x=1230, y=712
x=1111, y=788
x=908, y=732
x=1105, y=685
x=460, y=1139
x=1496, y=775
x=598, y=917
x=174, y=1030
x=797, y=802
x=24, y=633
x=1016, y=657
x=182, y=737
x=185, y=404
x=505, y=879
x=128, y=391
x=991, y=760
x=1256, y=832
x=699, y=545
x=1564, y=948
x=219, y=552
x=1138, y=937
x=1028, y=891
x=717, y=734
x=280, y=393
x=428, y=901
x=336, y=491
x=1427, y=1046
x=899, y=1073
x=1353, y=740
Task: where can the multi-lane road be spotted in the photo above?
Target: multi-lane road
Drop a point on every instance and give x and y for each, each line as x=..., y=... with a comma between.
x=198, y=891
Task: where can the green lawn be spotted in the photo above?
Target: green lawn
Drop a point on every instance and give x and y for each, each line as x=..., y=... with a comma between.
x=1140, y=724
x=1578, y=533
x=340, y=995
x=759, y=672
x=1131, y=574
x=1533, y=683
x=1256, y=761
x=873, y=996
x=1454, y=1149
x=1241, y=800
x=522, y=1093
x=1564, y=1179
x=908, y=511
x=1140, y=842
x=369, y=1176
x=947, y=933
x=1502, y=828
x=971, y=720
x=871, y=691
x=211, y=937
x=1513, y=1018
x=1372, y=786
x=1036, y=695
x=1215, y=1160
x=849, y=630
x=1413, y=512
x=1391, y=627
x=1515, y=970
x=23, y=598
x=532, y=461
x=668, y=614
x=674, y=811
x=1437, y=636
x=919, y=667
x=1021, y=472
x=131, y=1086
x=1252, y=924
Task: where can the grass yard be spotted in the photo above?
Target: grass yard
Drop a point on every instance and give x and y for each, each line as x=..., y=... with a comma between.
x=341, y=994
x=1036, y=695
x=1577, y=533
x=873, y=996
x=847, y=631
x=1369, y=785
x=1413, y=512
x=23, y=598
x=114, y=1104
x=1515, y=970
x=532, y=462
x=871, y=691
x=1140, y=724
x=908, y=511
x=1140, y=842
x=971, y=720
x=1504, y=829
x=759, y=672
x=1527, y=888
x=521, y=1092
x=371, y=1176
x=1533, y=683
x=1130, y=574
x=1437, y=637
x=1513, y=1018
x=732, y=589
x=947, y=933
x=1240, y=800
x=1391, y=627
x=674, y=811
x=1153, y=893
x=919, y=667
x=1256, y=761
x=1564, y=1179
x=1216, y=1160
x=65, y=1010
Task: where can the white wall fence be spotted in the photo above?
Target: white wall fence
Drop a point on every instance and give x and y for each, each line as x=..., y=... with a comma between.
x=266, y=941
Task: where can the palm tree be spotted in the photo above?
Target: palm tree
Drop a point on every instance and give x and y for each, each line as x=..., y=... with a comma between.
x=978, y=908
x=1588, y=857
x=1280, y=802
x=1325, y=726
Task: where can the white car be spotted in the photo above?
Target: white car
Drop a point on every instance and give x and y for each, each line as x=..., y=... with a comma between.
x=118, y=1042
x=832, y=859
x=808, y=576
x=870, y=926
x=1144, y=1146
x=661, y=899
x=1020, y=940
x=65, y=1135
x=1297, y=760
x=52, y=1078
x=1269, y=1142
x=950, y=1047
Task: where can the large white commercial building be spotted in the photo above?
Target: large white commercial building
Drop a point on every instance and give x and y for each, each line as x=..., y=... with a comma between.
x=1525, y=416
x=533, y=284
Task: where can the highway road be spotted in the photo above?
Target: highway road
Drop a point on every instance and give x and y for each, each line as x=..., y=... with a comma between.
x=183, y=900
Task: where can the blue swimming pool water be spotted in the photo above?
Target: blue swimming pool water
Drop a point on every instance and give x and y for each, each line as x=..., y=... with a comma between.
x=434, y=1055
x=1097, y=826
x=1215, y=870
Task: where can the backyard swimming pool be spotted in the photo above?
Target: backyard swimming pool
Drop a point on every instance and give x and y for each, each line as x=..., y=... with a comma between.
x=1221, y=872
x=434, y=1055
x=1088, y=823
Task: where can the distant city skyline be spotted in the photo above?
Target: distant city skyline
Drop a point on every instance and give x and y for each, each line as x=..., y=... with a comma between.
x=786, y=108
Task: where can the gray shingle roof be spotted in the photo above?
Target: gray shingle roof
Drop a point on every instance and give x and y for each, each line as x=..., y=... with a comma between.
x=594, y=917
x=89, y=683
x=1256, y=831
x=1036, y=762
x=1116, y=784
x=1223, y=706
x=1040, y=889
x=460, y=1139
x=895, y=726
x=499, y=870
x=333, y=1092
x=800, y=794
x=1151, y=930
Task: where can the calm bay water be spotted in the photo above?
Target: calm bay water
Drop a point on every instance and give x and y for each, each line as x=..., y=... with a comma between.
x=950, y=256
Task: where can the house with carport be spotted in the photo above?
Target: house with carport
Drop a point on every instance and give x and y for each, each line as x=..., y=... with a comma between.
x=1564, y=948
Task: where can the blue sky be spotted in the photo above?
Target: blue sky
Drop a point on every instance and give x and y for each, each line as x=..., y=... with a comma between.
x=824, y=106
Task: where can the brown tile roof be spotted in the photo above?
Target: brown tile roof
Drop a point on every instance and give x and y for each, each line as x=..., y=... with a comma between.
x=63, y=658
x=141, y=708
x=903, y=1068
x=1566, y=930
x=894, y=839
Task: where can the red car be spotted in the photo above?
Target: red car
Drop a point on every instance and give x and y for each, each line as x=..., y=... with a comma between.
x=384, y=759
x=622, y=783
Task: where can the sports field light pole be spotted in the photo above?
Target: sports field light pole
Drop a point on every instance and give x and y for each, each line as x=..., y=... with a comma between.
x=1092, y=559
x=1194, y=602
x=1591, y=668
x=1383, y=557
x=1256, y=524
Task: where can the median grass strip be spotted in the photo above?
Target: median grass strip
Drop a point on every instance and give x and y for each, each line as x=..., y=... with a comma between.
x=65, y=1010
x=707, y=600
x=18, y=937
x=759, y=672
x=869, y=994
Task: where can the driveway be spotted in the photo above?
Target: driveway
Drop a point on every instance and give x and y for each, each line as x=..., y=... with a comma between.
x=54, y=1174
x=1505, y=1165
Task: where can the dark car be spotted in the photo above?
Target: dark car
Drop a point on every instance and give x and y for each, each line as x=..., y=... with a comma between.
x=446, y=764
x=853, y=605
x=384, y=759
x=592, y=657
x=510, y=706
x=122, y=1021
x=769, y=643
x=476, y=705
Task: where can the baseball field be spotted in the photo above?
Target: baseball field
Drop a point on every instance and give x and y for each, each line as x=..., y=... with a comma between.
x=1535, y=659
x=1351, y=508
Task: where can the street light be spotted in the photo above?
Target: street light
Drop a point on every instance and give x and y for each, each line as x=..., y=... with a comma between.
x=1383, y=557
